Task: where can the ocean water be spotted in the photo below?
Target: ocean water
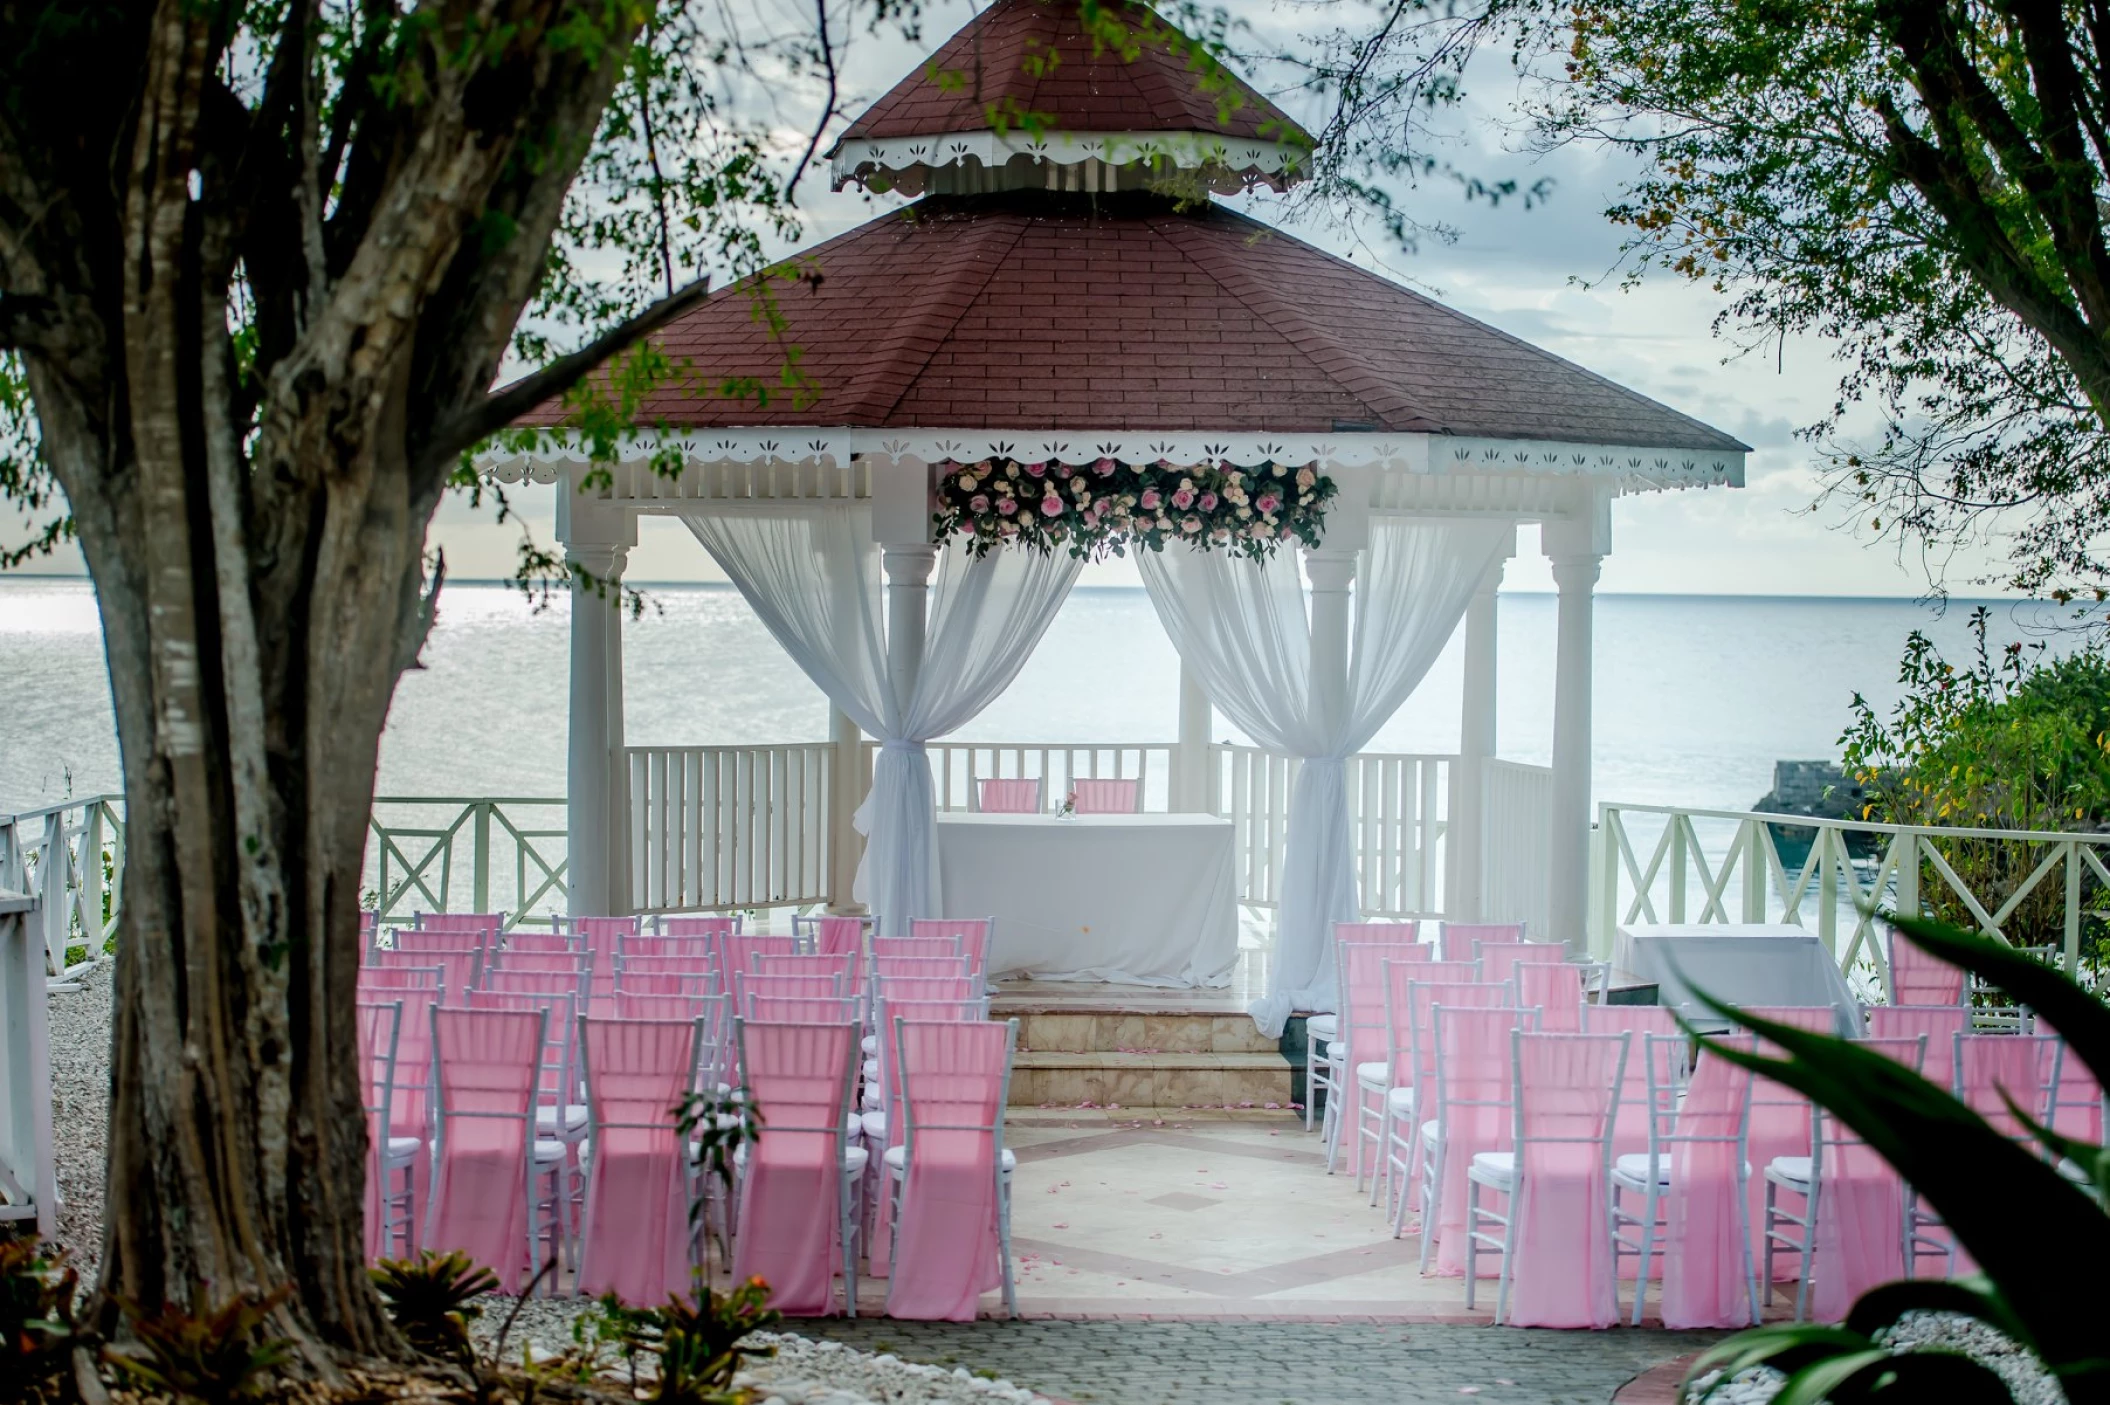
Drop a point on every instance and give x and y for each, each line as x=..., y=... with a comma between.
x=1695, y=696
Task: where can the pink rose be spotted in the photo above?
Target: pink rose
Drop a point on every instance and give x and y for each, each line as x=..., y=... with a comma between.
x=1051, y=506
x=1103, y=468
x=978, y=504
x=1007, y=506
x=1208, y=502
x=1191, y=525
x=1268, y=502
x=1037, y=470
x=1183, y=499
x=1151, y=500
x=1091, y=518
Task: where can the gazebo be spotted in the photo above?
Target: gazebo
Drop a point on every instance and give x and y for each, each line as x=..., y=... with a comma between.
x=1067, y=303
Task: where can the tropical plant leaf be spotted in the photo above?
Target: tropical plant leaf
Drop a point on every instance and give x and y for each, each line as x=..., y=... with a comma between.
x=1882, y=1305
x=1785, y=1346
x=2000, y=1200
x=1946, y=1376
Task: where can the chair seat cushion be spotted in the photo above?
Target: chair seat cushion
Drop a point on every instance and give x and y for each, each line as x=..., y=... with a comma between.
x=1374, y=1075
x=1494, y=1168
x=871, y=1070
x=1429, y=1130
x=548, y=1149
x=875, y=1125
x=1634, y=1167
x=1322, y=1026
x=1400, y=1100
x=854, y=1126
x=897, y=1157
x=870, y=1044
x=402, y=1148
x=1793, y=1170
x=855, y=1159
x=575, y=1115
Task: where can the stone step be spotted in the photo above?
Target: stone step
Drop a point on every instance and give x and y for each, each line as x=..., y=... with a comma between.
x=1129, y=1031
x=1164, y=1079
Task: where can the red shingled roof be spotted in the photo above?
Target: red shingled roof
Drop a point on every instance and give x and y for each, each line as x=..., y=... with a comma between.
x=1032, y=56
x=1031, y=311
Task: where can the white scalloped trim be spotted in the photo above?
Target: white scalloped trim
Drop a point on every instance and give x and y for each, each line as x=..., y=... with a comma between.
x=810, y=463
x=1189, y=150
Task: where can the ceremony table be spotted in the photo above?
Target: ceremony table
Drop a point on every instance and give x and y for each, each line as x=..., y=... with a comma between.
x=1142, y=899
x=1745, y=963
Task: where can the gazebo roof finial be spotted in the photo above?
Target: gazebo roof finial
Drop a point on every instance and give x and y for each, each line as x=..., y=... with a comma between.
x=1081, y=95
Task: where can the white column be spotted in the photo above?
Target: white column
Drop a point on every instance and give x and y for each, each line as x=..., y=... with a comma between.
x=596, y=541
x=1331, y=571
x=908, y=569
x=1466, y=831
x=1190, y=759
x=1577, y=550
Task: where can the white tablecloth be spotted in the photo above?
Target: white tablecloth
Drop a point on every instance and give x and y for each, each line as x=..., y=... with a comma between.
x=1133, y=899
x=1761, y=963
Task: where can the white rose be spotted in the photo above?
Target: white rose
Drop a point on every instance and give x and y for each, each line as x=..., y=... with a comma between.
x=1305, y=478
x=1245, y=512
x=1077, y=484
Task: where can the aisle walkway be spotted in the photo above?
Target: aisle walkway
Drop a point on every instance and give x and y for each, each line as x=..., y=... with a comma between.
x=1230, y=1362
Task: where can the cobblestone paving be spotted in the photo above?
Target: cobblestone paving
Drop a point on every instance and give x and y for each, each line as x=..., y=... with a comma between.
x=1279, y=1363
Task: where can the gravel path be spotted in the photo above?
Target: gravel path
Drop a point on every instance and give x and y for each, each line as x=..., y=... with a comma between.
x=80, y=1112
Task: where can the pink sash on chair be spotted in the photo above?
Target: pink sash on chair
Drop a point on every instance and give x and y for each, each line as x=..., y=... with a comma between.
x=799, y=1078
x=635, y=1230
x=489, y=1064
x=838, y=935
x=1474, y=1085
x=1704, y=1238
x=947, y=1255
x=1561, y=1273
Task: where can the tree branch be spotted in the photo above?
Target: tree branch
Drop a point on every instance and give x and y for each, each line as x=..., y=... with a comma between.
x=501, y=407
x=28, y=321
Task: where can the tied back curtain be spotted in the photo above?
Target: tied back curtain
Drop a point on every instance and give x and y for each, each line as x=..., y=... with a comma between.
x=813, y=578
x=1242, y=626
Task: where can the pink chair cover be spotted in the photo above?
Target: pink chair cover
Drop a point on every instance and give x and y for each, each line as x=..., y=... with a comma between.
x=1423, y=995
x=548, y=962
x=1630, y=1121
x=668, y=964
x=1364, y=1021
x=783, y=987
x=531, y=983
x=1106, y=797
x=843, y=965
x=928, y=987
x=1705, y=1234
x=634, y=1234
x=629, y=1005
x=891, y=1009
x=799, y=1077
x=605, y=931
x=1406, y=933
x=801, y=1009
x=1459, y=938
x=377, y=1057
x=698, y=926
x=561, y=943
x=1780, y=1121
x=839, y=934
x=1940, y=1023
x=379, y=978
x=919, y=967
x=488, y=923
x=695, y=987
x=489, y=1063
x=948, y=1250
x=458, y=968
x=1499, y=960
x=2020, y=1065
x=1556, y=989
x=1860, y=1209
x=2078, y=1112
x=700, y=949
x=1562, y=1260
x=917, y=948
x=737, y=950
x=1918, y=978
x=1474, y=1086
x=1008, y=797
x=972, y=933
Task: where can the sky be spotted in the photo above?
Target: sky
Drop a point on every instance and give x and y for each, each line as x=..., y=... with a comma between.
x=1538, y=273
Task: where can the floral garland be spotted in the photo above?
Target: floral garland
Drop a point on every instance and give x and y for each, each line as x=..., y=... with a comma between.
x=1103, y=508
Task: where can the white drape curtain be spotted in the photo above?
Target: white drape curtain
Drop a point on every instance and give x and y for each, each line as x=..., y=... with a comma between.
x=1242, y=626
x=813, y=578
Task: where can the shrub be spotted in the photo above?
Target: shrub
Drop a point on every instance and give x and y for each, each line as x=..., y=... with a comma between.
x=429, y=1301
x=36, y=1313
x=216, y=1356
x=696, y=1344
x=2016, y=1214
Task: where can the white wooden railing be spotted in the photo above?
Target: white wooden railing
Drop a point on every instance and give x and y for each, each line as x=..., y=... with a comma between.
x=1666, y=864
x=1516, y=845
x=713, y=828
x=28, y=1188
x=1400, y=803
x=72, y=857
x=957, y=767
x=442, y=853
